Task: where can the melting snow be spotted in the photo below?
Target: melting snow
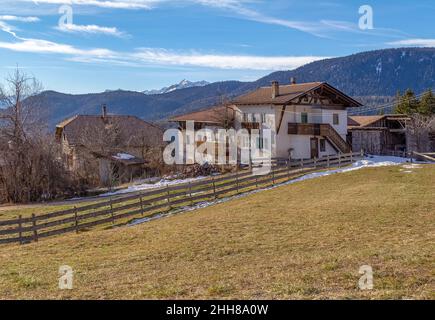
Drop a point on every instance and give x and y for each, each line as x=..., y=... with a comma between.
x=123, y=156
x=145, y=186
x=379, y=68
x=368, y=162
x=411, y=166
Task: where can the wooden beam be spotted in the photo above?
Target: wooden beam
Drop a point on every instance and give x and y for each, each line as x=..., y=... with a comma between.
x=282, y=116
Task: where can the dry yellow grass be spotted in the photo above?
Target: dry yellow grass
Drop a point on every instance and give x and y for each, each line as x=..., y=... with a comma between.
x=303, y=241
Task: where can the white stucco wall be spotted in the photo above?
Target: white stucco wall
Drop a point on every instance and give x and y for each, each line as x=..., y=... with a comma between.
x=341, y=128
x=300, y=144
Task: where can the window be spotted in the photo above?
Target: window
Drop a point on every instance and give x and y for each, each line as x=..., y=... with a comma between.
x=322, y=145
x=246, y=141
x=245, y=117
x=263, y=118
x=304, y=117
x=335, y=119
x=260, y=143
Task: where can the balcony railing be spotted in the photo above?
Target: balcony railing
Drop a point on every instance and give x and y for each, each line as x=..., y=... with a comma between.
x=250, y=125
x=304, y=128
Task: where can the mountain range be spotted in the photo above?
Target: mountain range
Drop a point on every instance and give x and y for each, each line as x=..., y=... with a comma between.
x=372, y=77
x=183, y=84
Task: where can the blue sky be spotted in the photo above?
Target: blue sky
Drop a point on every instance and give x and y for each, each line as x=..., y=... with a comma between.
x=147, y=44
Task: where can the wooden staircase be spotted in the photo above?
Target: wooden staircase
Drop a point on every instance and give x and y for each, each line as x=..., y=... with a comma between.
x=334, y=138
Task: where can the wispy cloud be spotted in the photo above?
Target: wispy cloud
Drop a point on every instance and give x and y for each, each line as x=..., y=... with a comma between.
x=162, y=56
x=90, y=29
x=414, y=42
x=240, y=8
x=114, y=4
x=44, y=46
x=6, y=27
x=157, y=56
x=20, y=19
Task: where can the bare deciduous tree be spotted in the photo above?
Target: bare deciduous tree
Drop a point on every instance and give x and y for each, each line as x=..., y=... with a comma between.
x=225, y=115
x=419, y=129
x=30, y=166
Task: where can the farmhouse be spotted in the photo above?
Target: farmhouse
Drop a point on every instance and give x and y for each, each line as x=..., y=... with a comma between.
x=380, y=134
x=309, y=120
x=117, y=147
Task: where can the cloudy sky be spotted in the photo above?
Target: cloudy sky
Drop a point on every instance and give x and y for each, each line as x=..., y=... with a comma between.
x=80, y=46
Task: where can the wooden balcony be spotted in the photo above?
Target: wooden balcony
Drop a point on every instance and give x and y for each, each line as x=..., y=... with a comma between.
x=320, y=129
x=250, y=125
x=312, y=129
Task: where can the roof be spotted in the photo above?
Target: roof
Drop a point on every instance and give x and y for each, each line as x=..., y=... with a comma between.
x=130, y=128
x=364, y=121
x=209, y=115
x=368, y=121
x=289, y=93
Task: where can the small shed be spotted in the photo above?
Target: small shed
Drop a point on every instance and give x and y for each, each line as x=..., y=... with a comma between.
x=120, y=166
x=380, y=134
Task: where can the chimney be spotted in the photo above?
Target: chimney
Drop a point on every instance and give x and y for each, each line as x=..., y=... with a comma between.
x=104, y=110
x=292, y=80
x=275, y=89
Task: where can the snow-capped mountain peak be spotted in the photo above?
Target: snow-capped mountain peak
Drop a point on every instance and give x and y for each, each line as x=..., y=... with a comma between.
x=183, y=84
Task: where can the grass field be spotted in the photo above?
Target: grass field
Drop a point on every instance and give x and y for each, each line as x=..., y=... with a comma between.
x=305, y=241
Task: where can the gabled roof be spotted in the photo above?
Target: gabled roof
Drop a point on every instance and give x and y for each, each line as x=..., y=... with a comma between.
x=364, y=121
x=370, y=121
x=289, y=94
x=209, y=115
x=130, y=128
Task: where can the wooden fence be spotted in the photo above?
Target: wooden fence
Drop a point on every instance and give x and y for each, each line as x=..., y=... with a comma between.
x=146, y=204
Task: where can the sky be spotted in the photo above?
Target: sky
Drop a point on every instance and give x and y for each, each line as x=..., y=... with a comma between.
x=83, y=46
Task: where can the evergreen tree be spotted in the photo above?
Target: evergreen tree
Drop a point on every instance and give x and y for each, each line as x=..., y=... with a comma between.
x=427, y=104
x=407, y=104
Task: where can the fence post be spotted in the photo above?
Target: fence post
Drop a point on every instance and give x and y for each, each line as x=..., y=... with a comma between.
x=111, y=211
x=35, y=231
x=141, y=206
x=167, y=196
x=273, y=177
x=190, y=194
x=20, y=232
x=256, y=182
x=351, y=157
x=302, y=163
x=237, y=180
x=315, y=162
x=362, y=153
x=214, y=188
x=327, y=161
x=339, y=159
x=76, y=221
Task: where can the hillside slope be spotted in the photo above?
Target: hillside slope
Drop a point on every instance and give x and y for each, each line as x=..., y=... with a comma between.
x=250, y=249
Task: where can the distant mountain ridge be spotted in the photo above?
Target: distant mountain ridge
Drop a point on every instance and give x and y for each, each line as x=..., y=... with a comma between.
x=369, y=76
x=183, y=84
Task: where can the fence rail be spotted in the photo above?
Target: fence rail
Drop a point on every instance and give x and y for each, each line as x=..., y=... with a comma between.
x=121, y=210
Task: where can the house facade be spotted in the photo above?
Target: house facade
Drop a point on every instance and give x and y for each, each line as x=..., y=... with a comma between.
x=109, y=146
x=308, y=120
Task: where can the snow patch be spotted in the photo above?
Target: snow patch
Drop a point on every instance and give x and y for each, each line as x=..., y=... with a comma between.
x=123, y=156
x=146, y=186
x=379, y=68
x=411, y=166
x=368, y=162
